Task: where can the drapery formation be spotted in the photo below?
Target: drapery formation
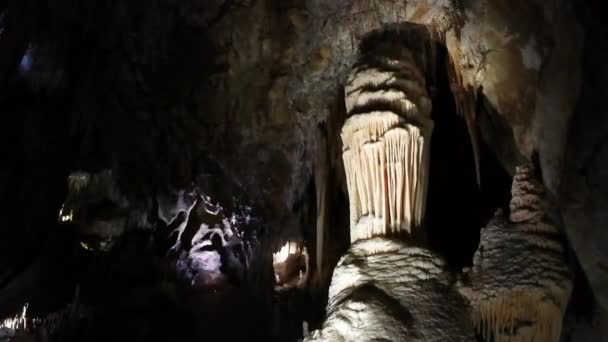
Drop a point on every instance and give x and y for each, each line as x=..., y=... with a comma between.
x=386, y=144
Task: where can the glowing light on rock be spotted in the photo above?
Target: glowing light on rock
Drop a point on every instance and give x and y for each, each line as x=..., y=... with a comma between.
x=18, y=322
x=287, y=249
x=66, y=215
x=23, y=327
x=84, y=245
x=27, y=60
x=216, y=245
x=290, y=265
x=202, y=268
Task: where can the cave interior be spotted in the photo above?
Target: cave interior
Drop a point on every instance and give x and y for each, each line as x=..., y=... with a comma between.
x=173, y=171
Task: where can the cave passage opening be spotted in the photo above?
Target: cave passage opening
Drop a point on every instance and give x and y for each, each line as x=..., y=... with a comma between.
x=457, y=207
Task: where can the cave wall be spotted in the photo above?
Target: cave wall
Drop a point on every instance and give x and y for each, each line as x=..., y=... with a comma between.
x=583, y=189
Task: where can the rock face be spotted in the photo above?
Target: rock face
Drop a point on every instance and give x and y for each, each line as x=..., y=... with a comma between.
x=387, y=290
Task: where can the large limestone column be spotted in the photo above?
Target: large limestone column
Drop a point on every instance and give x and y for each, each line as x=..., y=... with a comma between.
x=520, y=284
x=385, y=289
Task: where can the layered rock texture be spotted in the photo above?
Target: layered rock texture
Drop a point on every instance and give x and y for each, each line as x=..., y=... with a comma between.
x=520, y=282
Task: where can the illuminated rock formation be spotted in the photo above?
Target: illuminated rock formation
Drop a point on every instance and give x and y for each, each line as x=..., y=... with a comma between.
x=520, y=284
x=383, y=288
x=386, y=144
x=290, y=265
x=50, y=327
x=210, y=244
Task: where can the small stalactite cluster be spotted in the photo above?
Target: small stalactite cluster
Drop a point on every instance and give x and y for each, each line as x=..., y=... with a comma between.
x=386, y=140
x=520, y=284
x=53, y=325
x=290, y=265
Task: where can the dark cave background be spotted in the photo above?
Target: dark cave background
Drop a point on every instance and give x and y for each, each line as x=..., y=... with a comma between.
x=169, y=94
x=457, y=206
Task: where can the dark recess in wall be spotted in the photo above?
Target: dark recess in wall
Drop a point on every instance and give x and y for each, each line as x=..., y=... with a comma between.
x=457, y=207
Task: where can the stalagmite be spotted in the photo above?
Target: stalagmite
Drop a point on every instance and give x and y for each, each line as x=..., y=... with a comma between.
x=520, y=284
x=386, y=146
x=387, y=290
x=321, y=172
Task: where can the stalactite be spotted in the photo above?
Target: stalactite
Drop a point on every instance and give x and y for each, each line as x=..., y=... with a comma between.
x=78, y=181
x=520, y=283
x=291, y=266
x=386, y=146
x=465, y=98
x=321, y=168
x=94, y=186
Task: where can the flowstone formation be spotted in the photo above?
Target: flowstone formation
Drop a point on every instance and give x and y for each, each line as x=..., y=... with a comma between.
x=520, y=283
x=384, y=288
